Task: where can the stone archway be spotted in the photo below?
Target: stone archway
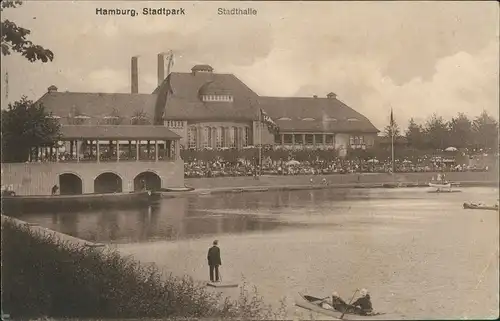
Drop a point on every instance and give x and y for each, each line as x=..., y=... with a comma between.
x=70, y=184
x=108, y=183
x=147, y=181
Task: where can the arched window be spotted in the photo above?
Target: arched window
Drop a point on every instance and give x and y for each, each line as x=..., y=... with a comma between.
x=207, y=137
x=192, y=137
x=233, y=136
x=246, y=137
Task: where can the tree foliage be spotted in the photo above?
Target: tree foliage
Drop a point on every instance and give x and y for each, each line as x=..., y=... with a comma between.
x=15, y=38
x=459, y=132
x=415, y=135
x=26, y=125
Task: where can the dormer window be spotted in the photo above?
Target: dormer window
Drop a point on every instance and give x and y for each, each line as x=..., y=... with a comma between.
x=330, y=119
x=109, y=117
x=82, y=117
x=227, y=98
x=52, y=117
x=308, y=119
x=352, y=119
x=284, y=118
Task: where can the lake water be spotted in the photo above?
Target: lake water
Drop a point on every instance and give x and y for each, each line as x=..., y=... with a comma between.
x=420, y=254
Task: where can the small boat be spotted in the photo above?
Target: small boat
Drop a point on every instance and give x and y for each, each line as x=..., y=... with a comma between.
x=81, y=202
x=440, y=185
x=473, y=206
x=316, y=305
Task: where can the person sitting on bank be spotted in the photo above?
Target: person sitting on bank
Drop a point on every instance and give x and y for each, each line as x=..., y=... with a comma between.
x=214, y=261
x=55, y=188
x=364, y=303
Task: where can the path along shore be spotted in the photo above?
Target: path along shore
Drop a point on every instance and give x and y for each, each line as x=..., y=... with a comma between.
x=264, y=183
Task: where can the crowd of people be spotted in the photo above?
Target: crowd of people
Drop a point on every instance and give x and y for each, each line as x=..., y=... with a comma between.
x=249, y=167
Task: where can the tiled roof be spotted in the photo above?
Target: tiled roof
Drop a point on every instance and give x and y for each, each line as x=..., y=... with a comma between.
x=178, y=97
x=329, y=114
x=98, y=105
x=117, y=132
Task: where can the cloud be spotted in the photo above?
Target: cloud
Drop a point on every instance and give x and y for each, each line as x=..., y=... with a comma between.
x=418, y=57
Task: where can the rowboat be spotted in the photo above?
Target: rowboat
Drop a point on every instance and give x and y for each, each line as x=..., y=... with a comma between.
x=472, y=206
x=318, y=305
x=440, y=185
x=82, y=202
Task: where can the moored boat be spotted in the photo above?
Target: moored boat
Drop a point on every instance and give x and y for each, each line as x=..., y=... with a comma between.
x=315, y=304
x=82, y=202
x=473, y=206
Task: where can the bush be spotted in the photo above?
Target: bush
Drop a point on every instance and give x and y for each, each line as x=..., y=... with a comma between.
x=44, y=276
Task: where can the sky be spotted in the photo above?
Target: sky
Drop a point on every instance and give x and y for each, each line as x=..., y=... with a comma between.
x=417, y=58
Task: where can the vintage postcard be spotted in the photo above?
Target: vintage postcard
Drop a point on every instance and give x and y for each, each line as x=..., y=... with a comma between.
x=229, y=160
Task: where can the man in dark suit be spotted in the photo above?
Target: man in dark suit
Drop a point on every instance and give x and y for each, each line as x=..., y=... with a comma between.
x=214, y=261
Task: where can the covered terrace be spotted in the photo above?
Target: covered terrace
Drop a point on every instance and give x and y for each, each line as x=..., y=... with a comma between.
x=110, y=143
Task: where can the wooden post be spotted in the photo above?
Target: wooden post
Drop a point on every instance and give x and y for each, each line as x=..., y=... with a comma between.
x=77, y=151
x=156, y=150
x=98, y=152
x=137, y=150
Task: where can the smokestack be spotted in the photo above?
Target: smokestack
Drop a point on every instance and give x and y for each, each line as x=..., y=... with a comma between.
x=161, y=68
x=134, y=86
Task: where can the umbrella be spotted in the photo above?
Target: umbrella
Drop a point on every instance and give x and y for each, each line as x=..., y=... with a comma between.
x=451, y=149
x=292, y=162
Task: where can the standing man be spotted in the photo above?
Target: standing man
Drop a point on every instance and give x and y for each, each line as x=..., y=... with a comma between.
x=214, y=261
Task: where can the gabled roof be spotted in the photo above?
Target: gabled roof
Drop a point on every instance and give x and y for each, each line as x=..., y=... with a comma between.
x=178, y=96
x=323, y=110
x=124, y=132
x=98, y=105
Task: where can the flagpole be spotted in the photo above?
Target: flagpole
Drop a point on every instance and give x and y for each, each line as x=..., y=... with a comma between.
x=392, y=143
x=260, y=142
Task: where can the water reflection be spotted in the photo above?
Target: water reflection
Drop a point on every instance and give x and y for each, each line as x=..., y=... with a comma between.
x=198, y=216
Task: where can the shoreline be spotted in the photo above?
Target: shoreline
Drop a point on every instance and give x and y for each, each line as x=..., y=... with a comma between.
x=265, y=183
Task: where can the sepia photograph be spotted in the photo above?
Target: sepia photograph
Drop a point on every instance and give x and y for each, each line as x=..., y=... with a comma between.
x=250, y=160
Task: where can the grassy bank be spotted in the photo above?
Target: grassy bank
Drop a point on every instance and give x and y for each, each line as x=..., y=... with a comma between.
x=44, y=276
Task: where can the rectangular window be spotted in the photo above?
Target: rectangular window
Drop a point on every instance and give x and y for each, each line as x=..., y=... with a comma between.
x=287, y=138
x=319, y=139
x=329, y=139
x=277, y=139
x=298, y=139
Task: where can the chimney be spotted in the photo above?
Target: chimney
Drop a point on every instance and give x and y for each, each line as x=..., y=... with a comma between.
x=161, y=68
x=52, y=89
x=331, y=95
x=134, y=85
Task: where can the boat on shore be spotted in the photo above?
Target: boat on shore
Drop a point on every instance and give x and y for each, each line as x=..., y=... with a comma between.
x=314, y=304
x=479, y=206
x=81, y=202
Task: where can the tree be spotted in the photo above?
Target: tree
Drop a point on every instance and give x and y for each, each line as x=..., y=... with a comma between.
x=485, y=131
x=14, y=38
x=26, y=125
x=392, y=127
x=140, y=118
x=436, y=133
x=415, y=135
x=460, y=131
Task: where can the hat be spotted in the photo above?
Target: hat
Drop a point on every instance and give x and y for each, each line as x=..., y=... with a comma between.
x=216, y=242
x=335, y=294
x=363, y=292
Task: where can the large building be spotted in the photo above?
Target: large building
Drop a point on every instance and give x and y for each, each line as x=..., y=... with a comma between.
x=209, y=110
